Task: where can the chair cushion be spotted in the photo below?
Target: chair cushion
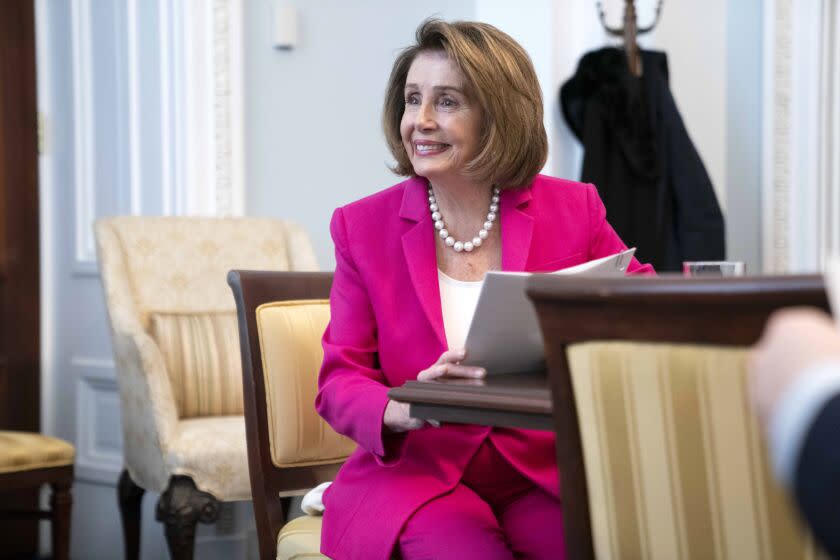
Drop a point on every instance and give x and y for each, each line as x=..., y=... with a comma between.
x=201, y=351
x=290, y=341
x=300, y=538
x=676, y=465
x=213, y=452
x=25, y=451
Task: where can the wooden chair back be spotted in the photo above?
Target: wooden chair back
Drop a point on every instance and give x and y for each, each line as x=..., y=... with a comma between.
x=270, y=484
x=705, y=311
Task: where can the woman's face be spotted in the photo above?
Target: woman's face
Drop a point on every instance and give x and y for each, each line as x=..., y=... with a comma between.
x=440, y=127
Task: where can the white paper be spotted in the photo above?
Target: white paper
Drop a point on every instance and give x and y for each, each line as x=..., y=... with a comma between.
x=504, y=334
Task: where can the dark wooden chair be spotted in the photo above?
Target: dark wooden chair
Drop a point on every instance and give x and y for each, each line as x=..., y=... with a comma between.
x=657, y=448
x=30, y=460
x=281, y=318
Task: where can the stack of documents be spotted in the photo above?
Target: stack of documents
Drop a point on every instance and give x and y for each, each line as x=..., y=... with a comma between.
x=504, y=334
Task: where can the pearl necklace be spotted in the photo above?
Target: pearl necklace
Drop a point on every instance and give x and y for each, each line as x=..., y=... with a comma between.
x=467, y=246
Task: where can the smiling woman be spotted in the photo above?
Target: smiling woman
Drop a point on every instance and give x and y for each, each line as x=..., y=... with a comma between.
x=489, y=70
x=463, y=119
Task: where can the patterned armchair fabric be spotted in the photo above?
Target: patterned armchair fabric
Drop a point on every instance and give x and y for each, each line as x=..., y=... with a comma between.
x=170, y=308
x=675, y=464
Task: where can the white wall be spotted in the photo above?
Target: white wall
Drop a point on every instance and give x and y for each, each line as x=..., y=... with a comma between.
x=534, y=30
x=313, y=139
x=801, y=133
x=576, y=31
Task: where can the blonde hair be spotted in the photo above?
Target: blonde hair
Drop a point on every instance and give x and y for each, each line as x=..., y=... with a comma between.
x=500, y=77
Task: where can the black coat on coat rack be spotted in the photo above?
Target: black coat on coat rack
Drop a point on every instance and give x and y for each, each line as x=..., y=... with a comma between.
x=638, y=153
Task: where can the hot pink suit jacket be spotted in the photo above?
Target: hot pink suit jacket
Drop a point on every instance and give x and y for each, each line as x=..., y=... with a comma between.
x=387, y=325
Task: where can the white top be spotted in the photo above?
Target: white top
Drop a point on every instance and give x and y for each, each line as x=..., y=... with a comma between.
x=457, y=301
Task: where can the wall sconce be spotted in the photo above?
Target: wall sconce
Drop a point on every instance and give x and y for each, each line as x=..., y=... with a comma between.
x=285, y=26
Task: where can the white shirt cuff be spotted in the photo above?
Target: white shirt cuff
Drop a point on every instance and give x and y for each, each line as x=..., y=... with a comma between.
x=797, y=409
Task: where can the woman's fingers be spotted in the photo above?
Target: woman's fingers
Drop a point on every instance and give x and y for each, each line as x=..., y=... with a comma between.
x=414, y=424
x=398, y=418
x=453, y=370
x=451, y=356
x=457, y=370
x=449, y=364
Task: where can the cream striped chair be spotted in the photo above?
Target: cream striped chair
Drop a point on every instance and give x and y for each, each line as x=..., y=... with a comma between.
x=175, y=342
x=660, y=456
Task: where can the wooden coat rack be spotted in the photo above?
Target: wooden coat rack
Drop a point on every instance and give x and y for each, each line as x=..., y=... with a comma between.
x=629, y=32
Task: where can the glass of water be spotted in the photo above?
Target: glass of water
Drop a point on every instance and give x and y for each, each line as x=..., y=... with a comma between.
x=714, y=268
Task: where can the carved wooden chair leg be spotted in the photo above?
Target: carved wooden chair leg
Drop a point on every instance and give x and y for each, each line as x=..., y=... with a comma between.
x=130, y=498
x=61, y=502
x=180, y=508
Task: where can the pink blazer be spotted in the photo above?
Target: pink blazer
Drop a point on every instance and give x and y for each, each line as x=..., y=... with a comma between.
x=387, y=325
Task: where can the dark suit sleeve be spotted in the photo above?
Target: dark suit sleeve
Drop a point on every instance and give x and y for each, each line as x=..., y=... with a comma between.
x=817, y=481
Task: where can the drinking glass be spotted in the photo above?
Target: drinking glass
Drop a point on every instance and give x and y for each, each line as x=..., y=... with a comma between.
x=714, y=268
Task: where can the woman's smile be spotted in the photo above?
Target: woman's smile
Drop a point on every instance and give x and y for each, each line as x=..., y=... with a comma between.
x=425, y=148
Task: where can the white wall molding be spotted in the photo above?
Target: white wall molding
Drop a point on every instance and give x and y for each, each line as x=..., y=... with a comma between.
x=236, y=105
x=46, y=222
x=134, y=160
x=180, y=109
x=776, y=135
x=220, y=65
x=83, y=131
x=228, y=109
x=801, y=188
x=197, y=108
x=828, y=131
x=98, y=432
x=104, y=366
x=202, y=112
x=168, y=200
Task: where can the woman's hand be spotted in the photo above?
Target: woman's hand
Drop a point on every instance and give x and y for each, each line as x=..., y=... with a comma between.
x=794, y=340
x=449, y=364
x=397, y=418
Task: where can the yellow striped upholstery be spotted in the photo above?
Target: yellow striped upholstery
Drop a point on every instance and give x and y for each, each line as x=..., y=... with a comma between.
x=300, y=539
x=201, y=352
x=25, y=451
x=675, y=464
x=290, y=341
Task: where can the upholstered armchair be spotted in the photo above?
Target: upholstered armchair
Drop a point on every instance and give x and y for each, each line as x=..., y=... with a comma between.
x=659, y=452
x=175, y=345
x=282, y=317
